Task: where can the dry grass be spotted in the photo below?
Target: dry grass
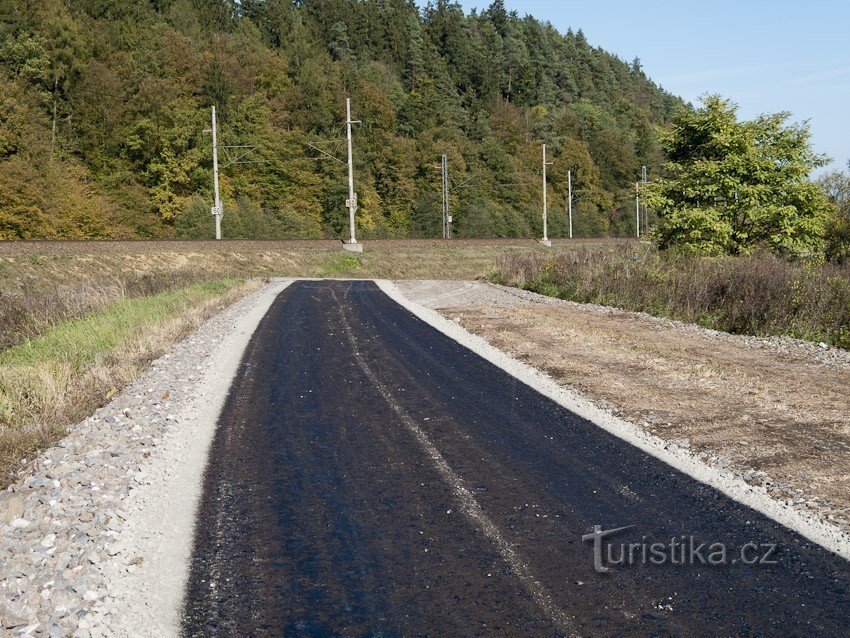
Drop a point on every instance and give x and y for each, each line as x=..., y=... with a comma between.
x=244, y=246
x=757, y=295
x=65, y=264
x=29, y=309
x=49, y=383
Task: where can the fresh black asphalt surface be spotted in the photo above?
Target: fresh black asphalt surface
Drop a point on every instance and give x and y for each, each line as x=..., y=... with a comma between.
x=371, y=477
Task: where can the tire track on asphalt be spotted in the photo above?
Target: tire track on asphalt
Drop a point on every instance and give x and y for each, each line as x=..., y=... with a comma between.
x=469, y=505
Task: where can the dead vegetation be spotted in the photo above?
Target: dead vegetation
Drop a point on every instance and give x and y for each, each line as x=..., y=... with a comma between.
x=57, y=379
x=29, y=311
x=44, y=282
x=755, y=295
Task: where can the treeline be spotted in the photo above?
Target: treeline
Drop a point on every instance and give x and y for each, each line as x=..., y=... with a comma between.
x=103, y=106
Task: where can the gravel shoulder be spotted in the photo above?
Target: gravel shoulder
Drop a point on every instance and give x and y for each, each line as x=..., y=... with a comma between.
x=772, y=412
x=95, y=541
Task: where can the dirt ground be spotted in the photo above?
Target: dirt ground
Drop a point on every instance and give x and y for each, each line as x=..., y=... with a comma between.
x=777, y=411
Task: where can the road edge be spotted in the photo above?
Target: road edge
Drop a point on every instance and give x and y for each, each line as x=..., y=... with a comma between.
x=161, y=518
x=828, y=536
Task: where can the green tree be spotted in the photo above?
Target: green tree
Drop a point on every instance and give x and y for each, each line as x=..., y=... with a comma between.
x=66, y=50
x=731, y=186
x=103, y=104
x=837, y=187
x=169, y=156
x=836, y=184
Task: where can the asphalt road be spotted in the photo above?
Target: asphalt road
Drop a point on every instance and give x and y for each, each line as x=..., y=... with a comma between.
x=371, y=477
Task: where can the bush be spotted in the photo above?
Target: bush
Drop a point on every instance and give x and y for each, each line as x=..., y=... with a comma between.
x=838, y=239
x=756, y=294
x=732, y=187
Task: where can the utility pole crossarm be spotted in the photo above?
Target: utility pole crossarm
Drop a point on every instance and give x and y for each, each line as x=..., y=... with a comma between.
x=464, y=183
x=240, y=159
x=324, y=152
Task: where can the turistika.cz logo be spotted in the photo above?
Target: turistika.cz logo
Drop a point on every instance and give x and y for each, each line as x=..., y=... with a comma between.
x=678, y=550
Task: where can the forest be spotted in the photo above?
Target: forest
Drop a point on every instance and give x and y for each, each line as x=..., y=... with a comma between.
x=105, y=106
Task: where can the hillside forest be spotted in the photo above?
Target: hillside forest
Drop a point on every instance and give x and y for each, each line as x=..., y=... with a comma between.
x=104, y=106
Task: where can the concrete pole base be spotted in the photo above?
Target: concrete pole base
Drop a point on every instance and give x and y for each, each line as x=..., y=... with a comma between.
x=354, y=248
x=545, y=242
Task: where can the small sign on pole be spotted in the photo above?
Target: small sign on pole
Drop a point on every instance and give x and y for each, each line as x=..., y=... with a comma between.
x=351, y=202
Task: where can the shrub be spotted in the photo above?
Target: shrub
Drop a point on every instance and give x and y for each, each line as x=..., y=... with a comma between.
x=755, y=294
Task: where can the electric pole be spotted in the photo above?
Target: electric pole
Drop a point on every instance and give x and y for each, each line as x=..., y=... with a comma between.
x=570, y=200
x=645, y=210
x=217, y=210
x=351, y=202
x=545, y=241
x=637, y=208
x=242, y=151
x=447, y=218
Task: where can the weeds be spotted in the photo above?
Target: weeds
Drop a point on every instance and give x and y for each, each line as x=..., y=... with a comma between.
x=758, y=295
x=51, y=382
x=29, y=311
x=340, y=265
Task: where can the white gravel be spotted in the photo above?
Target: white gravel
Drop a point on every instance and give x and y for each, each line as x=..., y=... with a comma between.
x=96, y=539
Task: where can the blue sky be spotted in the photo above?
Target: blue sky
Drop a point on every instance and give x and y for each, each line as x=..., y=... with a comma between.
x=767, y=56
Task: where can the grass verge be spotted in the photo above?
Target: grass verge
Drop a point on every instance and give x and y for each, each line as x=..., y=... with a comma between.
x=756, y=295
x=340, y=265
x=35, y=304
x=57, y=379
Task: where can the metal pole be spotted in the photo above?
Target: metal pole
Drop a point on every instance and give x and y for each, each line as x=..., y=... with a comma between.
x=570, y=200
x=217, y=210
x=545, y=239
x=545, y=229
x=645, y=211
x=445, y=165
x=443, y=191
x=352, y=196
x=448, y=202
x=637, y=208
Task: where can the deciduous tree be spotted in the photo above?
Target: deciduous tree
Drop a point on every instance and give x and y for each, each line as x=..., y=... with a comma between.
x=732, y=186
